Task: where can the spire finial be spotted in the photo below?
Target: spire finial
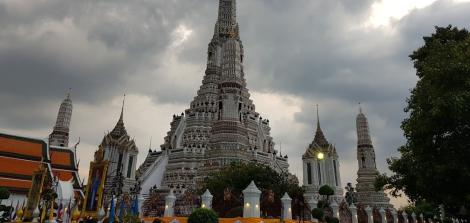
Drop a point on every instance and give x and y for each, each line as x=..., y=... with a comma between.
x=360, y=108
x=68, y=93
x=318, y=118
x=121, y=118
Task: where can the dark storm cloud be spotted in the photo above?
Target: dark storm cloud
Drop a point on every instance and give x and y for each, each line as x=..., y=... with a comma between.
x=317, y=50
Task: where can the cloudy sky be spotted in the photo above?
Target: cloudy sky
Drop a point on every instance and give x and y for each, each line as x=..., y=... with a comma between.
x=299, y=53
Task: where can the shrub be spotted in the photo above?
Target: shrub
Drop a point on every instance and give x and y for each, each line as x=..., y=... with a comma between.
x=203, y=215
x=322, y=204
x=4, y=193
x=326, y=190
x=156, y=220
x=318, y=214
x=329, y=219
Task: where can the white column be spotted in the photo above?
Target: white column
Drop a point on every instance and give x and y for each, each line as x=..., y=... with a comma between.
x=286, y=205
x=141, y=200
x=335, y=207
x=251, y=199
x=422, y=217
x=413, y=215
x=170, y=204
x=370, y=217
x=383, y=217
x=405, y=217
x=206, y=199
x=353, y=210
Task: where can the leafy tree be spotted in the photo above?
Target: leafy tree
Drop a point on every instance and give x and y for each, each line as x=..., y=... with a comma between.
x=318, y=213
x=326, y=190
x=434, y=163
x=203, y=215
x=238, y=175
x=4, y=194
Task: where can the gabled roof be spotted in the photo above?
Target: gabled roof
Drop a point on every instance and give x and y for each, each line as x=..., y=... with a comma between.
x=20, y=157
x=22, y=147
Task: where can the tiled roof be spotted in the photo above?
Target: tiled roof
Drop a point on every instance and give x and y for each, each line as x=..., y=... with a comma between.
x=27, y=148
x=20, y=157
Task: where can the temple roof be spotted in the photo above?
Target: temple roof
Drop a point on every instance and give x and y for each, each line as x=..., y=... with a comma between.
x=120, y=130
x=20, y=157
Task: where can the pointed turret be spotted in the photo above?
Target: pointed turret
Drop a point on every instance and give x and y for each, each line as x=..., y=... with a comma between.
x=367, y=172
x=60, y=133
x=363, y=135
x=320, y=138
x=120, y=130
x=227, y=20
x=321, y=165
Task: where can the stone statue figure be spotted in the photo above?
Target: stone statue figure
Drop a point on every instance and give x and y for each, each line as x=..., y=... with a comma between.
x=351, y=196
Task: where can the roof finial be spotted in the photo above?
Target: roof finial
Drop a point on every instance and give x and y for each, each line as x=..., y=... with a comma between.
x=360, y=108
x=122, y=109
x=318, y=118
x=68, y=93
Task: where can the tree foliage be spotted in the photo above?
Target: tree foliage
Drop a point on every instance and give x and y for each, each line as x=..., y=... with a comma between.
x=203, y=215
x=434, y=163
x=238, y=175
x=4, y=193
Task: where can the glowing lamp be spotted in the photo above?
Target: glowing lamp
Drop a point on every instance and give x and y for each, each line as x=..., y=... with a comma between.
x=256, y=206
x=203, y=206
x=247, y=205
x=320, y=156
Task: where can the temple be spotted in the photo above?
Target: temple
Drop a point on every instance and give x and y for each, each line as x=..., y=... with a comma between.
x=21, y=156
x=366, y=193
x=321, y=166
x=221, y=124
x=121, y=153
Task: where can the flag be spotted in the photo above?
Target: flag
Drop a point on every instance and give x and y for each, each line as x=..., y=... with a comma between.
x=112, y=211
x=135, y=206
x=16, y=209
x=60, y=212
x=121, y=211
x=69, y=211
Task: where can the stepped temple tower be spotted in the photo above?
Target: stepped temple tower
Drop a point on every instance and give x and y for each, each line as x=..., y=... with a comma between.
x=321, y=166
x=121, y=153
x=60, y=133
x=367, y=172
x=221, y=124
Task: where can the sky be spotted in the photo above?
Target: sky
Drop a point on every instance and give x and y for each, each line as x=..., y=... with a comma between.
x=335, y=53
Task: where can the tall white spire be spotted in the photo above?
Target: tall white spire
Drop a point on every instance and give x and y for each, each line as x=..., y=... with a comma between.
x=227, y=20
x=60, y=133
x=367, y=172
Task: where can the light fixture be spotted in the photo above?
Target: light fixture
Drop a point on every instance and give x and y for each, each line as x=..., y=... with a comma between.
x=247, y=205
x=320, y=156
x=203, y=206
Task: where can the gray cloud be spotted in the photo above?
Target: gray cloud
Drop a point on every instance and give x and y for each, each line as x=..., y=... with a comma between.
x=314, y=51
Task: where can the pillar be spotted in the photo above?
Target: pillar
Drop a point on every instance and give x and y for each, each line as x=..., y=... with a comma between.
x=206, y=199
x=370, y=216
x=251, y=200
x=141, y=200
x=286, y=205
x=170, y=204
x=353, y=210
x=405, y=217
x=413, y=215
x=383, y=216
x=421, y=216
x=335, y=207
